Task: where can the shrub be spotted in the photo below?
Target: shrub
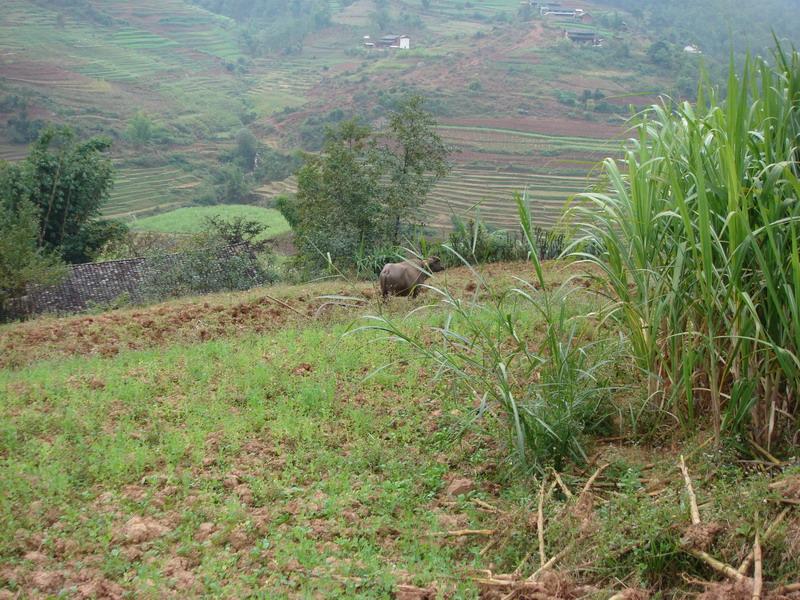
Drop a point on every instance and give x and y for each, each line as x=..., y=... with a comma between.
x=204, y=271
x=474, y=242
x=22, y=261
x=369, y=265
x=236, y=231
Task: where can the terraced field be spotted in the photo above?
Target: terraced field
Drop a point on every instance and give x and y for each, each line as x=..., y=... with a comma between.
x=282, y=84
x=148, y=41
x=496, y=162
x=172, y=59
x=181, y=24
x=142, y=191
x=12, y=151
x=521, y=142
x=469, y=190
x=492, y=164
x=277, y=188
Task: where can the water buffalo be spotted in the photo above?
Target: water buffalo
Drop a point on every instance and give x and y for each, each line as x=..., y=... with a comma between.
x=404, y=278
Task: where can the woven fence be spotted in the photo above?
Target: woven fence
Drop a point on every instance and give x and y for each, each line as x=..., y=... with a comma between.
x=93, y=285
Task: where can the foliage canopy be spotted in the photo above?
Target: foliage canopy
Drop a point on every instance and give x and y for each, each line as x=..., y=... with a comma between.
x=365, y=189
x=22, y=261
x=67, y=181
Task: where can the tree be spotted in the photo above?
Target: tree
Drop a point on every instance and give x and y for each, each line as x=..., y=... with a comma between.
x=289, y=209
x=365, y=191
x=22, y=129
x=140, y=130
x=381, y=18
x=418, y=159
x=22, y=261
x=338, y=208
x=233, y=184
x=67, y=182
x=235, y=231
x=660, y=53
x=246, y=148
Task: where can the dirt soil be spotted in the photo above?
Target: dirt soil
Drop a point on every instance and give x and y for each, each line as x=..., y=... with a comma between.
x=200, y=319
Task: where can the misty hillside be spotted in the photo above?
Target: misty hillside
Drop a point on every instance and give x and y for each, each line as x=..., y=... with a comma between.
x=173, y=83
x=718, y=25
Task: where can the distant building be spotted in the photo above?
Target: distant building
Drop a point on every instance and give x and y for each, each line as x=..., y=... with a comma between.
x=568, y=13
x=402, y=42
x=582, y=36
x=692, y=49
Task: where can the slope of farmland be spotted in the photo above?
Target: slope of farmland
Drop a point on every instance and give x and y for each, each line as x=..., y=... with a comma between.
x=251, y=445
x=139, y=191
x=468, y=191
x=495, y=82
x=494, y=162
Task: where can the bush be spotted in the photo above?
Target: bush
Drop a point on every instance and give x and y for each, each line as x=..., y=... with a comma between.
x=288, y=208
x=22, y=261
x=474, y=242
x=369, y=265
x=204, y=271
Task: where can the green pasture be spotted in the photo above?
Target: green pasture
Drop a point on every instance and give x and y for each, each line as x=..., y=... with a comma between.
x=324, y=455
x=192, y=219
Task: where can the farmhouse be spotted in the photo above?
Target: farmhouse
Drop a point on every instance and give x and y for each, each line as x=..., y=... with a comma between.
x=570, y=13
x=582, y=36
x=402, y=42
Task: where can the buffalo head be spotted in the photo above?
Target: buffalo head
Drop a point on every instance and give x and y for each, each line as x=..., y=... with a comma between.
x=434, y=265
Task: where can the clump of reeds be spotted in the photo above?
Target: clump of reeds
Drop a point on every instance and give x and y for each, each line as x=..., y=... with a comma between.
x=697, y=239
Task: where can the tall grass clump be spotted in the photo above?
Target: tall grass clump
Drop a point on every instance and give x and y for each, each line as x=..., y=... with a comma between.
x=522, y=355
x=697, y=241
x=478, y=243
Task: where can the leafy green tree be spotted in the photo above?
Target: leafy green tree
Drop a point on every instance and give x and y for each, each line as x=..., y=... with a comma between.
x=246, y=148
x=274, y=165
x=381, y=18
x=418, y=159
x=22, y=261
x=364, y=192
x=235, y=231
x=337, y=209
x=232, y=184
x=288, y=208
x=22, y=129
x=660, y=53
x=67, y=182
x=140, y=130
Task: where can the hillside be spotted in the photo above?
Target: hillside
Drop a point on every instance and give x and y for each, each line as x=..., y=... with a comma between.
x=250, y=443
x=618, y=423
x=522, y=107
x=494, y=83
